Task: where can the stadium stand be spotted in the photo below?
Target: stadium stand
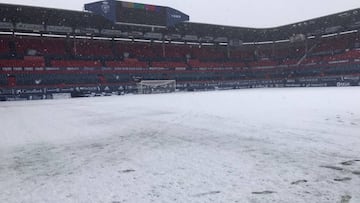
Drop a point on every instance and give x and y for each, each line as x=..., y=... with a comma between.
x=4, y=45
x=37, y=62
x=92, y=48
x=45, y=51
x=128, y=63
x=75, y=63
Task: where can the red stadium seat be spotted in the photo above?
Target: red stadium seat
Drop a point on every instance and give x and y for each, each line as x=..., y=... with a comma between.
x=40, y=46
x=75, y=63
x=92, y=48
x=4, y=45
x=22, y=63
x=126, y=63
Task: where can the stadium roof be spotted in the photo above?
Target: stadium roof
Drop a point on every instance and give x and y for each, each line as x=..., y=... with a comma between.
x=344, y=21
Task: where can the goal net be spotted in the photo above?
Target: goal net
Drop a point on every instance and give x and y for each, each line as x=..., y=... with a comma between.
x=156, y=86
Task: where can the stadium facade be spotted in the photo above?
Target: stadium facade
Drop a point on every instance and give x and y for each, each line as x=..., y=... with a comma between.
x=113, y=45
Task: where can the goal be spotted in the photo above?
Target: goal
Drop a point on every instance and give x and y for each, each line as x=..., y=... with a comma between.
x=156, y=86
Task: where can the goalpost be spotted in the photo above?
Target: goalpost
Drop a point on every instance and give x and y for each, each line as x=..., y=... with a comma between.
x=156, y=86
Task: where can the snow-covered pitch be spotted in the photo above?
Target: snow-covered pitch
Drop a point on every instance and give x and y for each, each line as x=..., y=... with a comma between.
x=258, y=145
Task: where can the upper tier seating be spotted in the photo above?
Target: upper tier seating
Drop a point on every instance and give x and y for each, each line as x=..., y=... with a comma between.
x=198, y=64
x=127, y=63
x=92, y=48
x=75, y=63
x=242, y=55
x=176, y=51
x=40, y=46
x=140, y=50
x=208, y=52
x=56, y=52
x=169, y=64
x=330, y=45
x=263, y=63
x=4, y=45
x=234, y=64
x=22, y=63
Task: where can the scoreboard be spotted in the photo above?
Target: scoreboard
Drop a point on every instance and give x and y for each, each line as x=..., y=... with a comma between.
x=140, y=13
x=137, y=13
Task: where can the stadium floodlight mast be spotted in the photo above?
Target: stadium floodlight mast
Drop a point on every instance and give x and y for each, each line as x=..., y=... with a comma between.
x=156, y=86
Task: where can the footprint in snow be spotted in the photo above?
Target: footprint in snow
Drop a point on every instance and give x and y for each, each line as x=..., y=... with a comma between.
x=356, y=172
x=127, y=171
x=342, y=179
x=349, y=163
x=298, y=182
x=345, y=199
x=207, y=193
x=333, y=168
x=266, y=192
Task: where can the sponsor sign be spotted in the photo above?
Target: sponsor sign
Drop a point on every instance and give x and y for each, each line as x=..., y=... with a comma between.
x=342, y=84
x=29, y=27
x=153, y=35
x=105, y=7
x=6, y=25
x=60, y=29
x=111, y=32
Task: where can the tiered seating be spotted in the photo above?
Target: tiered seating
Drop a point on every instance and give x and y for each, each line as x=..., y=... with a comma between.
x=155, y=60
x=92, y=48
x=112, y=78
x=55, y=46
x=353, y=54
x=42, y=46
x=22, y=63
x=198, y=64
x=176, y=51
x=336, y=58
x=11, y=81
x=75, y=63
x=344, y=57
x=169, y=64
x=234, y=64
x=3, y=79
x=154, y=51
x=263, y=63
x=264, y=52
x=140, y=50
x=242, y=55
x=293, y=52
x=4, y=45
x=288, y=61
x=127, y=63
x=207, y=52
x=280, y=54
x=356, y=42
x=312, y=60
x=329, y=45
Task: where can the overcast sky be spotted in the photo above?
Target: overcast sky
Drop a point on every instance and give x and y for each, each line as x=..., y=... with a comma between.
x=244, y=13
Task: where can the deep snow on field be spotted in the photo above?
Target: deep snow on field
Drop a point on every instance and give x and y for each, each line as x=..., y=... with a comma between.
x=260, y=145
